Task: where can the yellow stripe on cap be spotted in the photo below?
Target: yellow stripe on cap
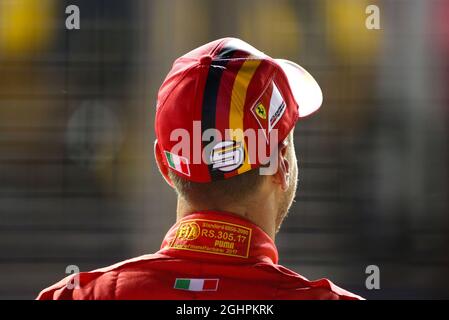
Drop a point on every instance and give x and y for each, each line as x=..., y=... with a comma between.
x=238, y=98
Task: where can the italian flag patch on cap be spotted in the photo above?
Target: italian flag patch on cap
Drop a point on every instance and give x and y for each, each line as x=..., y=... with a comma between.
x=178, y=163
x=196, y=284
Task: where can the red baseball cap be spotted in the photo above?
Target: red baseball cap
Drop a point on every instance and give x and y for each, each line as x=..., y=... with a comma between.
x=224, y=102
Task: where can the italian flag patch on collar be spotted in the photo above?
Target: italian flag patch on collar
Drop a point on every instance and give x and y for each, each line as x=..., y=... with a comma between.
x=178, y=163
x=196, y=284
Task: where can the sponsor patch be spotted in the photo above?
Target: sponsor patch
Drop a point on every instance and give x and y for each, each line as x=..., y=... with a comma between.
x=215, y=237
x=277, y=108
x=227, y=156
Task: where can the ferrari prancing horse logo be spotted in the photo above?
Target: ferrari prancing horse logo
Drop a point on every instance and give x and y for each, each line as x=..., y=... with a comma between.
x=260, y=111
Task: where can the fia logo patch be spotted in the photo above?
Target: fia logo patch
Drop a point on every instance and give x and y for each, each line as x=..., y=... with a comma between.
x=188, y=231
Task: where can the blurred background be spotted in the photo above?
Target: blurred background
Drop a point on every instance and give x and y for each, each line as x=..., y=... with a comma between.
x=79, y=185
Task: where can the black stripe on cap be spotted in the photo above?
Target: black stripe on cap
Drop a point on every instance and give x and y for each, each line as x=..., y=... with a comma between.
x=210, y=104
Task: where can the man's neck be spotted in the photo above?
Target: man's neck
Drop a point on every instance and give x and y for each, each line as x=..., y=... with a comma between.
x=262, y=216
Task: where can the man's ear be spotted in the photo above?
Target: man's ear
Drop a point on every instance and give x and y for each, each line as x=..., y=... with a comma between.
x=282, y=175
x=161, y=164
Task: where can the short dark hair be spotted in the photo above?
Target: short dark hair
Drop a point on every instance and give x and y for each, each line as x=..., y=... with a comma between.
x=237, y=188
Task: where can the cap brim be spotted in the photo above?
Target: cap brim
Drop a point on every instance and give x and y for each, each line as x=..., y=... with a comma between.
x=305, y=89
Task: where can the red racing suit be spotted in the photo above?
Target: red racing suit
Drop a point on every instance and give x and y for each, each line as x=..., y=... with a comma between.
x=205, y=255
